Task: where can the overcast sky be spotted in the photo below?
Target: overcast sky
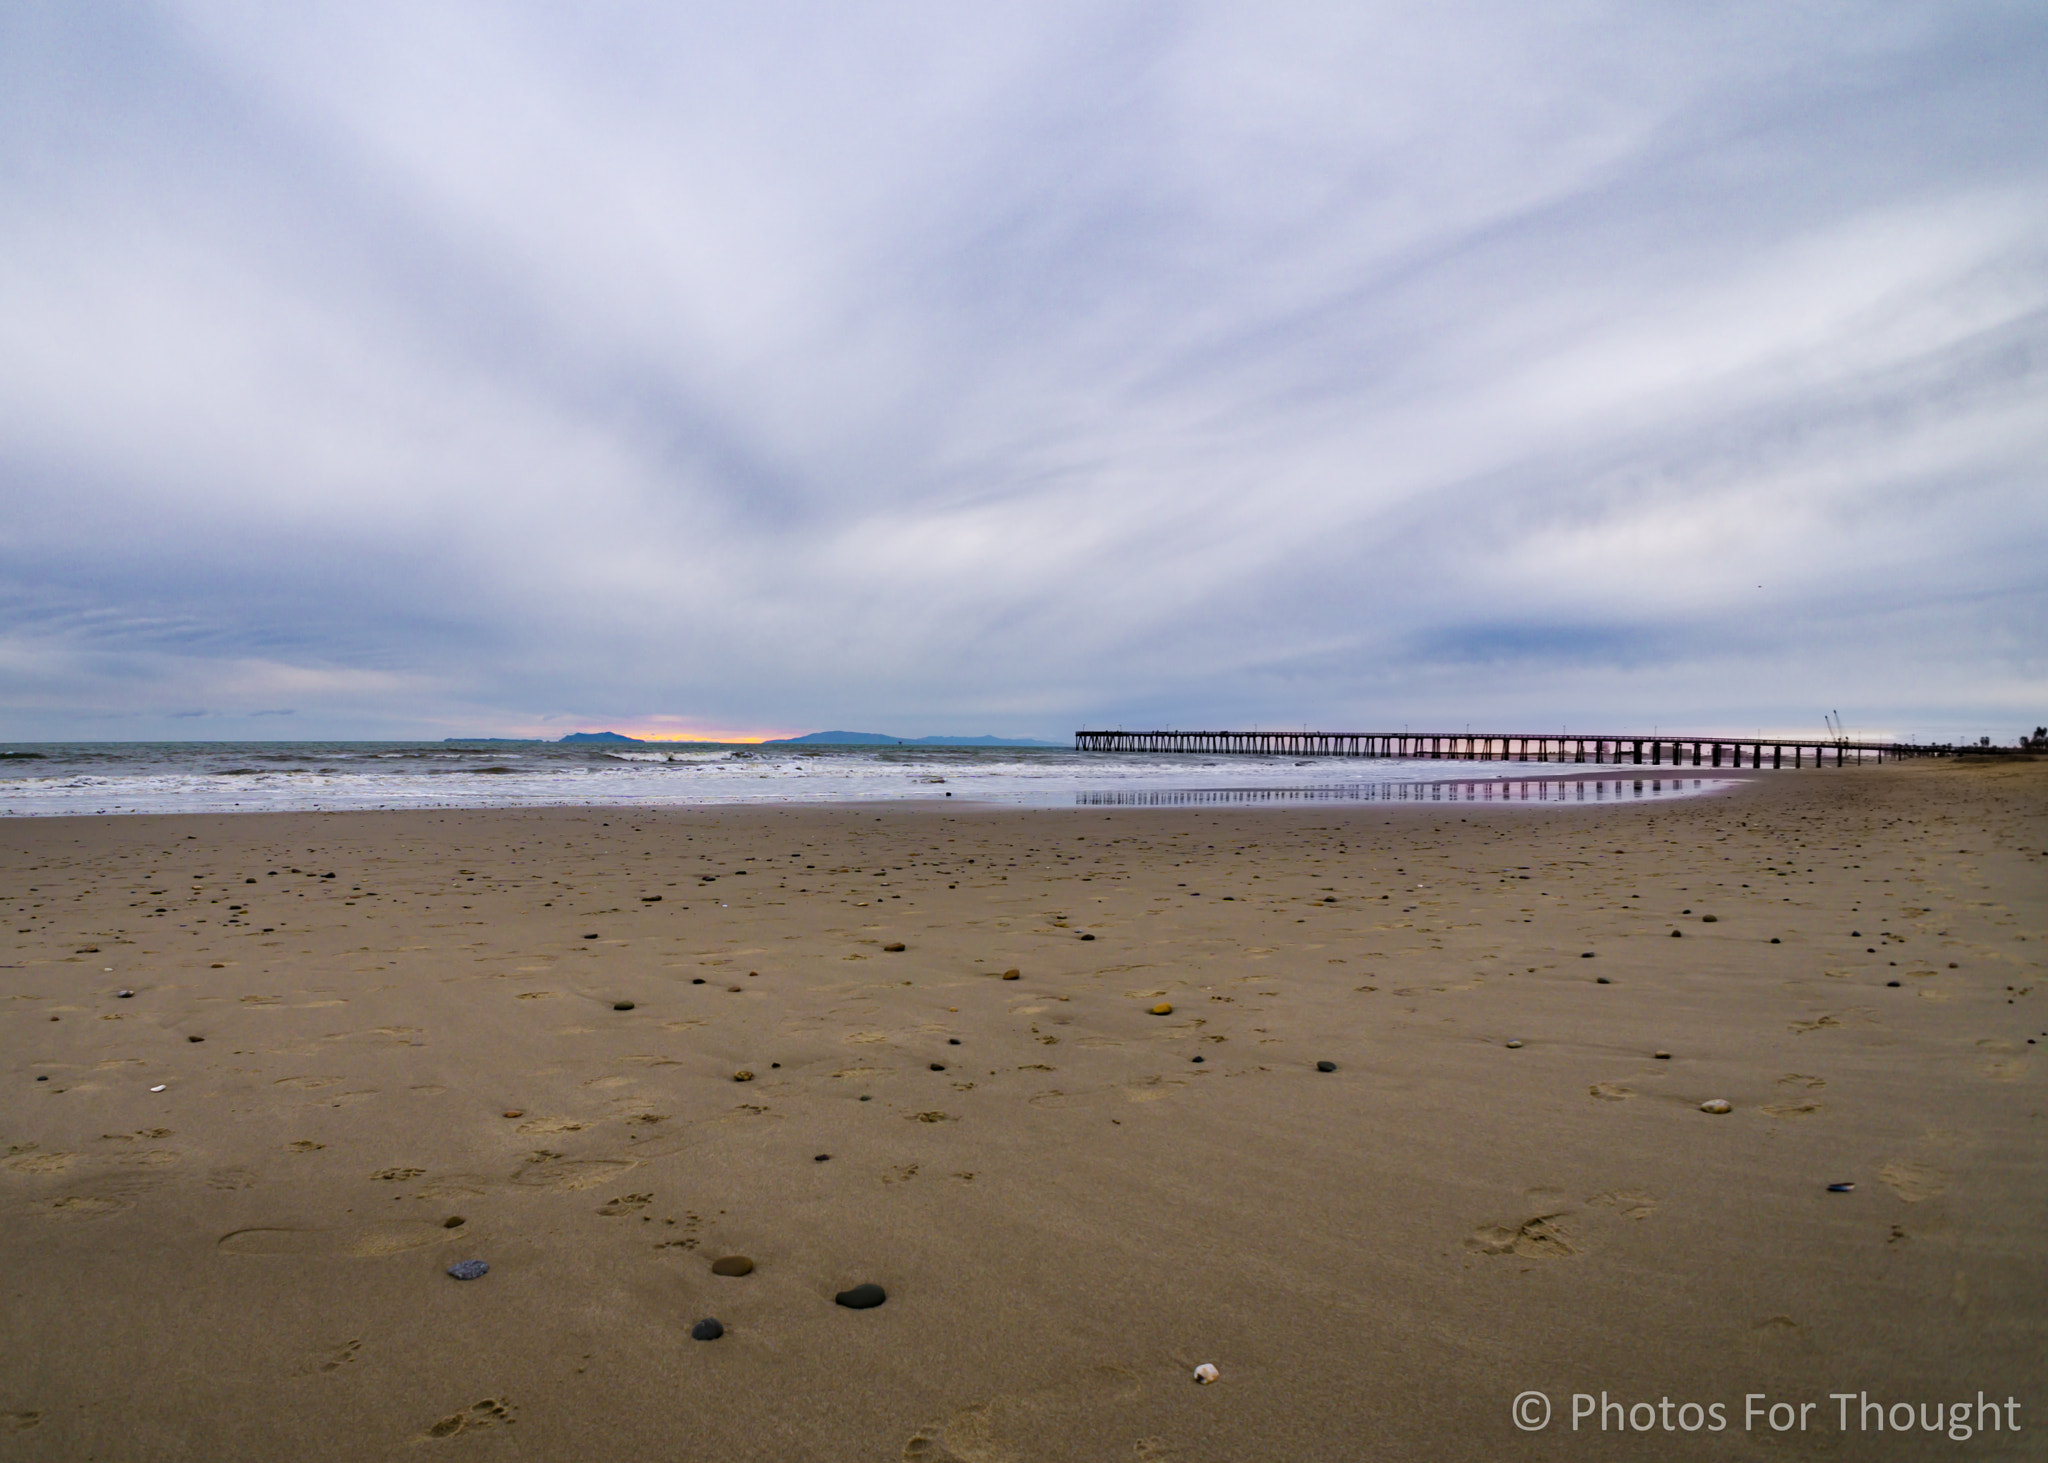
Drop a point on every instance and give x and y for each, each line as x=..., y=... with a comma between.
x=431, y=369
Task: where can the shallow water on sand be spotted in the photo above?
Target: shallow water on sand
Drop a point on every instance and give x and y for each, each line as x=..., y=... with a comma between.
x=213, y=777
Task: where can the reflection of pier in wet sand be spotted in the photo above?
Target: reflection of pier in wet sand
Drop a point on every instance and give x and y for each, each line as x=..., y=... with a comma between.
x=1496, y=790
x=1628, y=751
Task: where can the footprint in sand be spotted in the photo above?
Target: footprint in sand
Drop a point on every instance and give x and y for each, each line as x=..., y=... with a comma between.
x=1629, y=1203
x=1801, y=1028
x=19, y=1422
x=1800, y=1079
x=333, y=1359
x=968, y=1436
x=1791, y=1109
x=487, y=1413
x=1912, y=1181
x=231, y=1178
x=550, y=1125
x=1539, y=1238
x=84, y=1206
x=571, y=1175
x=1611, y=1091
x=42, y=1162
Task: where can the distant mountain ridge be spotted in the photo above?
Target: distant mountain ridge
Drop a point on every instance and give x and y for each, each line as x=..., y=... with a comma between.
x=824, y=738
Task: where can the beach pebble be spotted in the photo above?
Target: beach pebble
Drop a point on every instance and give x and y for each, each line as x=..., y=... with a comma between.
x=938, y=1066
x=732, y=1265
x=1164, y=1008
x=1717, y=1105
x=1661, y=1056
x=453, y=1221
x=1087, y=937
x=1198, y=1059
x=1206, y=1373
x=158, y=1088
x=1013, y=975
x=743, y=1075
x=1891, y=982
x=124, y=995
x=1585, y=955
x=1678, y=934
x=1514, y=1042
x=822, y=1158
x=515, y=1112
x=622, y=1005
x=706, y=1330
x=1841, y=1188
x=862, y=1297
x=1326, y=1066
x=469, y=1270
x=898, y=945
x=952, y=1041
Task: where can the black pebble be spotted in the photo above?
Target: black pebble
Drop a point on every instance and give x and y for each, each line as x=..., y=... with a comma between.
x=822, y=1158
x=590, y=937
x=1087, y=937
x=698, y=981
x=706, y=1330
x=952, y=1041
x=1841, y=1188
x=124, y=995
x=42, y=1079
x=1891, y=982
x=1585, y=955
x=938, y=1066
x=1774, y=939
x=1198, y=1059
x=622, y=1005
x=865, y=1098
x=1677, y=934
x=453, y=1221
x=195, y=1038
x=1602, y=980
x=862, y=1297
x=469, y=1270
x=1326, y=1066
x=775, y=1064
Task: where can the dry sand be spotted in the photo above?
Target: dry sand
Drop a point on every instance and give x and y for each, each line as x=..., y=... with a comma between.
x=1073, y=1213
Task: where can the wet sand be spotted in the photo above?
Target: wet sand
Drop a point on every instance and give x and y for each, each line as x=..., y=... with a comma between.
x=1067, y=1210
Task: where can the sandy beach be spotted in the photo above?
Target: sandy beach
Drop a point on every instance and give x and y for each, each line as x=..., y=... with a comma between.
x=362, y=1047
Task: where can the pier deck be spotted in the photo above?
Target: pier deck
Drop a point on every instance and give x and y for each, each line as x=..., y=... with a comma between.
x=1632, y=749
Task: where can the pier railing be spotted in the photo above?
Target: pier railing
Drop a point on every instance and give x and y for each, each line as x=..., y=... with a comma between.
x=1656, y=750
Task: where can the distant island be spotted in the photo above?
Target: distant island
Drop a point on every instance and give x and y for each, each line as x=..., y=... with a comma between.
x=876, y=739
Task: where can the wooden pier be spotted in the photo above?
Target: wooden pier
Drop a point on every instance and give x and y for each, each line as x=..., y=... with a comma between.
x=1660, y=750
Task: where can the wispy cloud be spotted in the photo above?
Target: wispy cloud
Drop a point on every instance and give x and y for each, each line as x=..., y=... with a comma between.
x=1002, y=368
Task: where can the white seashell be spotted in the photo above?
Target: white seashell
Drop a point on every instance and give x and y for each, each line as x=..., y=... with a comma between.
x=1206, y=1373
x=1717, y=1105
x=158, y=1088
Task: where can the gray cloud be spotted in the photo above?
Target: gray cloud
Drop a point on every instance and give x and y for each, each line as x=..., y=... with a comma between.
x=494, y=368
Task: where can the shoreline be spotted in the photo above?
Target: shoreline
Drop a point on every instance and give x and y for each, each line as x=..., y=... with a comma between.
x=1074, y=1212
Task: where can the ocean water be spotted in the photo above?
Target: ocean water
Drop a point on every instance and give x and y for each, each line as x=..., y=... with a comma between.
x=212, y=777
